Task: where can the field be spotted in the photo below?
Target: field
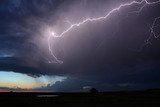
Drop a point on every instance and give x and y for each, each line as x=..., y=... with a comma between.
x=107, y=99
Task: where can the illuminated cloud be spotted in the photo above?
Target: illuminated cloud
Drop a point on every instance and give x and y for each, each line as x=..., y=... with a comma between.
x=4, y=53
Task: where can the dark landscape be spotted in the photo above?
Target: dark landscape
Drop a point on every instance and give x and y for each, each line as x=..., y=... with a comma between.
x=101, y=99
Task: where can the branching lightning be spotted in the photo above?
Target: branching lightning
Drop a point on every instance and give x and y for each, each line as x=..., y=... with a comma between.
x=72, y=26
x=152, y=33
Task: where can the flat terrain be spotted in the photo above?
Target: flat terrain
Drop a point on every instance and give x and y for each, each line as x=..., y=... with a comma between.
x=112, y=99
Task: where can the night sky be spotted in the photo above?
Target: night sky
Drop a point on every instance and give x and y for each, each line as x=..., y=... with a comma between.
x=119, y=52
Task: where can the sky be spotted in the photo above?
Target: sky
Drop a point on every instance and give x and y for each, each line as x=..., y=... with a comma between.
x=67, y=45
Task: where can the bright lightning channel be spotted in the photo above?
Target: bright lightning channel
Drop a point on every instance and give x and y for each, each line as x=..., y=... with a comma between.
x=72, y=26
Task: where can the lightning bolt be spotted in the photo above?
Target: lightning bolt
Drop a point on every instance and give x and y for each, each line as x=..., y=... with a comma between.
x=152, y=33
x=72, y=26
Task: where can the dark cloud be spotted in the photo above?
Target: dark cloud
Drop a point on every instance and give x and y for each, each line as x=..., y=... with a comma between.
x=105, y=54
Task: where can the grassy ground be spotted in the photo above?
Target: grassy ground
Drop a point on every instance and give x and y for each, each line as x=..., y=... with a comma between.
x=112, y=99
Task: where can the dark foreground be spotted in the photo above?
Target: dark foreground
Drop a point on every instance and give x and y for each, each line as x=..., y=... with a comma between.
x=111, y=99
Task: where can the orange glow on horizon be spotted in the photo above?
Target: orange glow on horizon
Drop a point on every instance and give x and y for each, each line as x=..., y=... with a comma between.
x=19, y=81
